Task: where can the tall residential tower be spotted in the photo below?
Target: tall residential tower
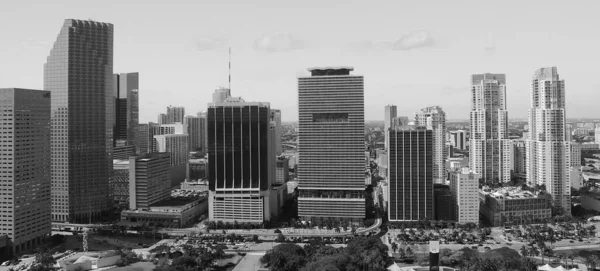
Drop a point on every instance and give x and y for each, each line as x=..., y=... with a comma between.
x=490, y=148
x=331, y=145
x=390, y=112
x=434, y=118
x=78, y=73
x=548, y=151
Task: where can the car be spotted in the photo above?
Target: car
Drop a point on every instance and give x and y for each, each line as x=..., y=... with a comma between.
x=571, y=241
x=5, y=263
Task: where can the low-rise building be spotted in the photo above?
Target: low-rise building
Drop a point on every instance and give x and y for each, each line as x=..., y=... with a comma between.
x=589, y=146
x=511, y=204
x=464, y=185
x=197, y=169
x=198, y=185
x=576, y=177
x=173, y=212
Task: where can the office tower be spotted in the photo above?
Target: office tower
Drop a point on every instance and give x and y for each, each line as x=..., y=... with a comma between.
x=175, y=114
x=239, y=143
x=519, y=156
x=145, y=137
x=464, y=187
x=331, y=145
x=390, y=112
x=203, y=135
x=410, y=161
x=126, y=101
x=276, y=118
x=548, y=152
x=78, y=72
x=282, y=170
x=220, y=95
x=194, y=130
x=434, y=118
x=177, y=146
x=459, y=139
x=489, y=144
x=149, y=180
x=575, y=148
x=162, y=119
x=25, y=179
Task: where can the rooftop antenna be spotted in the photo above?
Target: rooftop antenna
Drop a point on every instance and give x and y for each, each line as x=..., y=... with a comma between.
x=229, y=69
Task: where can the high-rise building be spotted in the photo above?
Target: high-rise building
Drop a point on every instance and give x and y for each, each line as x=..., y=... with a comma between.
x=79, y=72
x=162, y=119
x=331, y=145
x=203, y=140
x=25, y=179
x=519, y=156
x=282, y=170
x=193, y=126
x=239, y=174
x=145, y=137
x=390, y=112
x=548, y=152
x=175, y=114
x=575, y=153
x=490, y=148
x=410, y=166
x=177, y=146
x=458, y=139
x=597, y=135
x=125, y=93
x=434, y=118
x=276, y=119
x=149, y=180
x=220, y=95
x=464, y=187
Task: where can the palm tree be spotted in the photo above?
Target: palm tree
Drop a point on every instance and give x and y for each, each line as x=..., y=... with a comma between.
x=524, y=251
x=394, y=247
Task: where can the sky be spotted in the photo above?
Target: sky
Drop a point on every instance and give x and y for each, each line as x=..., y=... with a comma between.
x=412, y=54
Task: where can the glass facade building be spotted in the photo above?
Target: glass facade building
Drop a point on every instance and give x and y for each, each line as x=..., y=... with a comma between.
x=78, y=73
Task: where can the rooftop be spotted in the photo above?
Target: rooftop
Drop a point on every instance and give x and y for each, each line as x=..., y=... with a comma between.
x=509, y=193
x=330, y=71
x=174, y=202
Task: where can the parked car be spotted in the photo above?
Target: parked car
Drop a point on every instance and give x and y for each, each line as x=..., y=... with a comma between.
x=5, y=263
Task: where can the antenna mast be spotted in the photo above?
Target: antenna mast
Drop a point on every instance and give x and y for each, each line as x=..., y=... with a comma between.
x=229, y=69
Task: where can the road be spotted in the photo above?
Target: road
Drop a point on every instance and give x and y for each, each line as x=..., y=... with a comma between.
x=288, y=232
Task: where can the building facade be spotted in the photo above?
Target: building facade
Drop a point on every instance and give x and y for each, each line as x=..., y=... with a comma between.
x=519, y=156
x=126, y=111
x=282, y=168
x=548, y=152
x=434, y=118
x=410, y=166
x=513, y=206
x=176, y=146
x=464, y=187
x=458, y=139
x=390, y=112
x=194, y=130
x=220, y=95
x=276, y=119
x=119, y=183
x=490, y=148
x=239, y=174
x=149, y=180
x=25, y=179
x=203, y=141
x=331, y=145
x=162, y=119
x=175, y=114
x=79, y=72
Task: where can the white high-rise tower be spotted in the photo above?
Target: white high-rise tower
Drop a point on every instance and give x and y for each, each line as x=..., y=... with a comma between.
x=490, y=149
x=434, y=118
x=548, y=151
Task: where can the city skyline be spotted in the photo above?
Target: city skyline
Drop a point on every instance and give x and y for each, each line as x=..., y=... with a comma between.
x=428, y=49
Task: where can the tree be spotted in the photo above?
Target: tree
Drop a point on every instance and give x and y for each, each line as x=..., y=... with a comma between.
x=280, y=238
x=285, y=257
x=394, y=247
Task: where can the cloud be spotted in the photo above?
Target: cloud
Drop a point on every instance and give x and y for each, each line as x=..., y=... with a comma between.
x=413, y=40
x=278, y=43
x=210, y=43
x=409, y=41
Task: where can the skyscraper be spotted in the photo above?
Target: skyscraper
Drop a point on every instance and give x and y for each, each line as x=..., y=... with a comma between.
x=239, y=143
x=177, y=146
x=548, y=152
x=459, y=139
x=162, y=119
x=203, y=140
x=464, y=187
x=125, y=87
x=519, y=156
x=78, y=72
x=331, y=145
x=434, y=118
x=175, y=114
x=276, y=119
x=220, y=95
x=490, y=148
x=25, y=179
x=410, y=166
x=149, y=180
x=390, y=112
x=194, y=130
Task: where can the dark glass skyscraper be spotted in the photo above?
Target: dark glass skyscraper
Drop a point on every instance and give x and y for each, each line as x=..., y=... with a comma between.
x=78, y=72
x=240, y=168
x=410, y=163
x=331, y=145
x=125, y=86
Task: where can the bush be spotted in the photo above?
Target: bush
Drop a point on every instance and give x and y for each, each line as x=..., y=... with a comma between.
x=277, y=231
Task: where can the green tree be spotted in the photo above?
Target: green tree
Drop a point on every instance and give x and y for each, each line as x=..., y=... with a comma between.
x=285, y=257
